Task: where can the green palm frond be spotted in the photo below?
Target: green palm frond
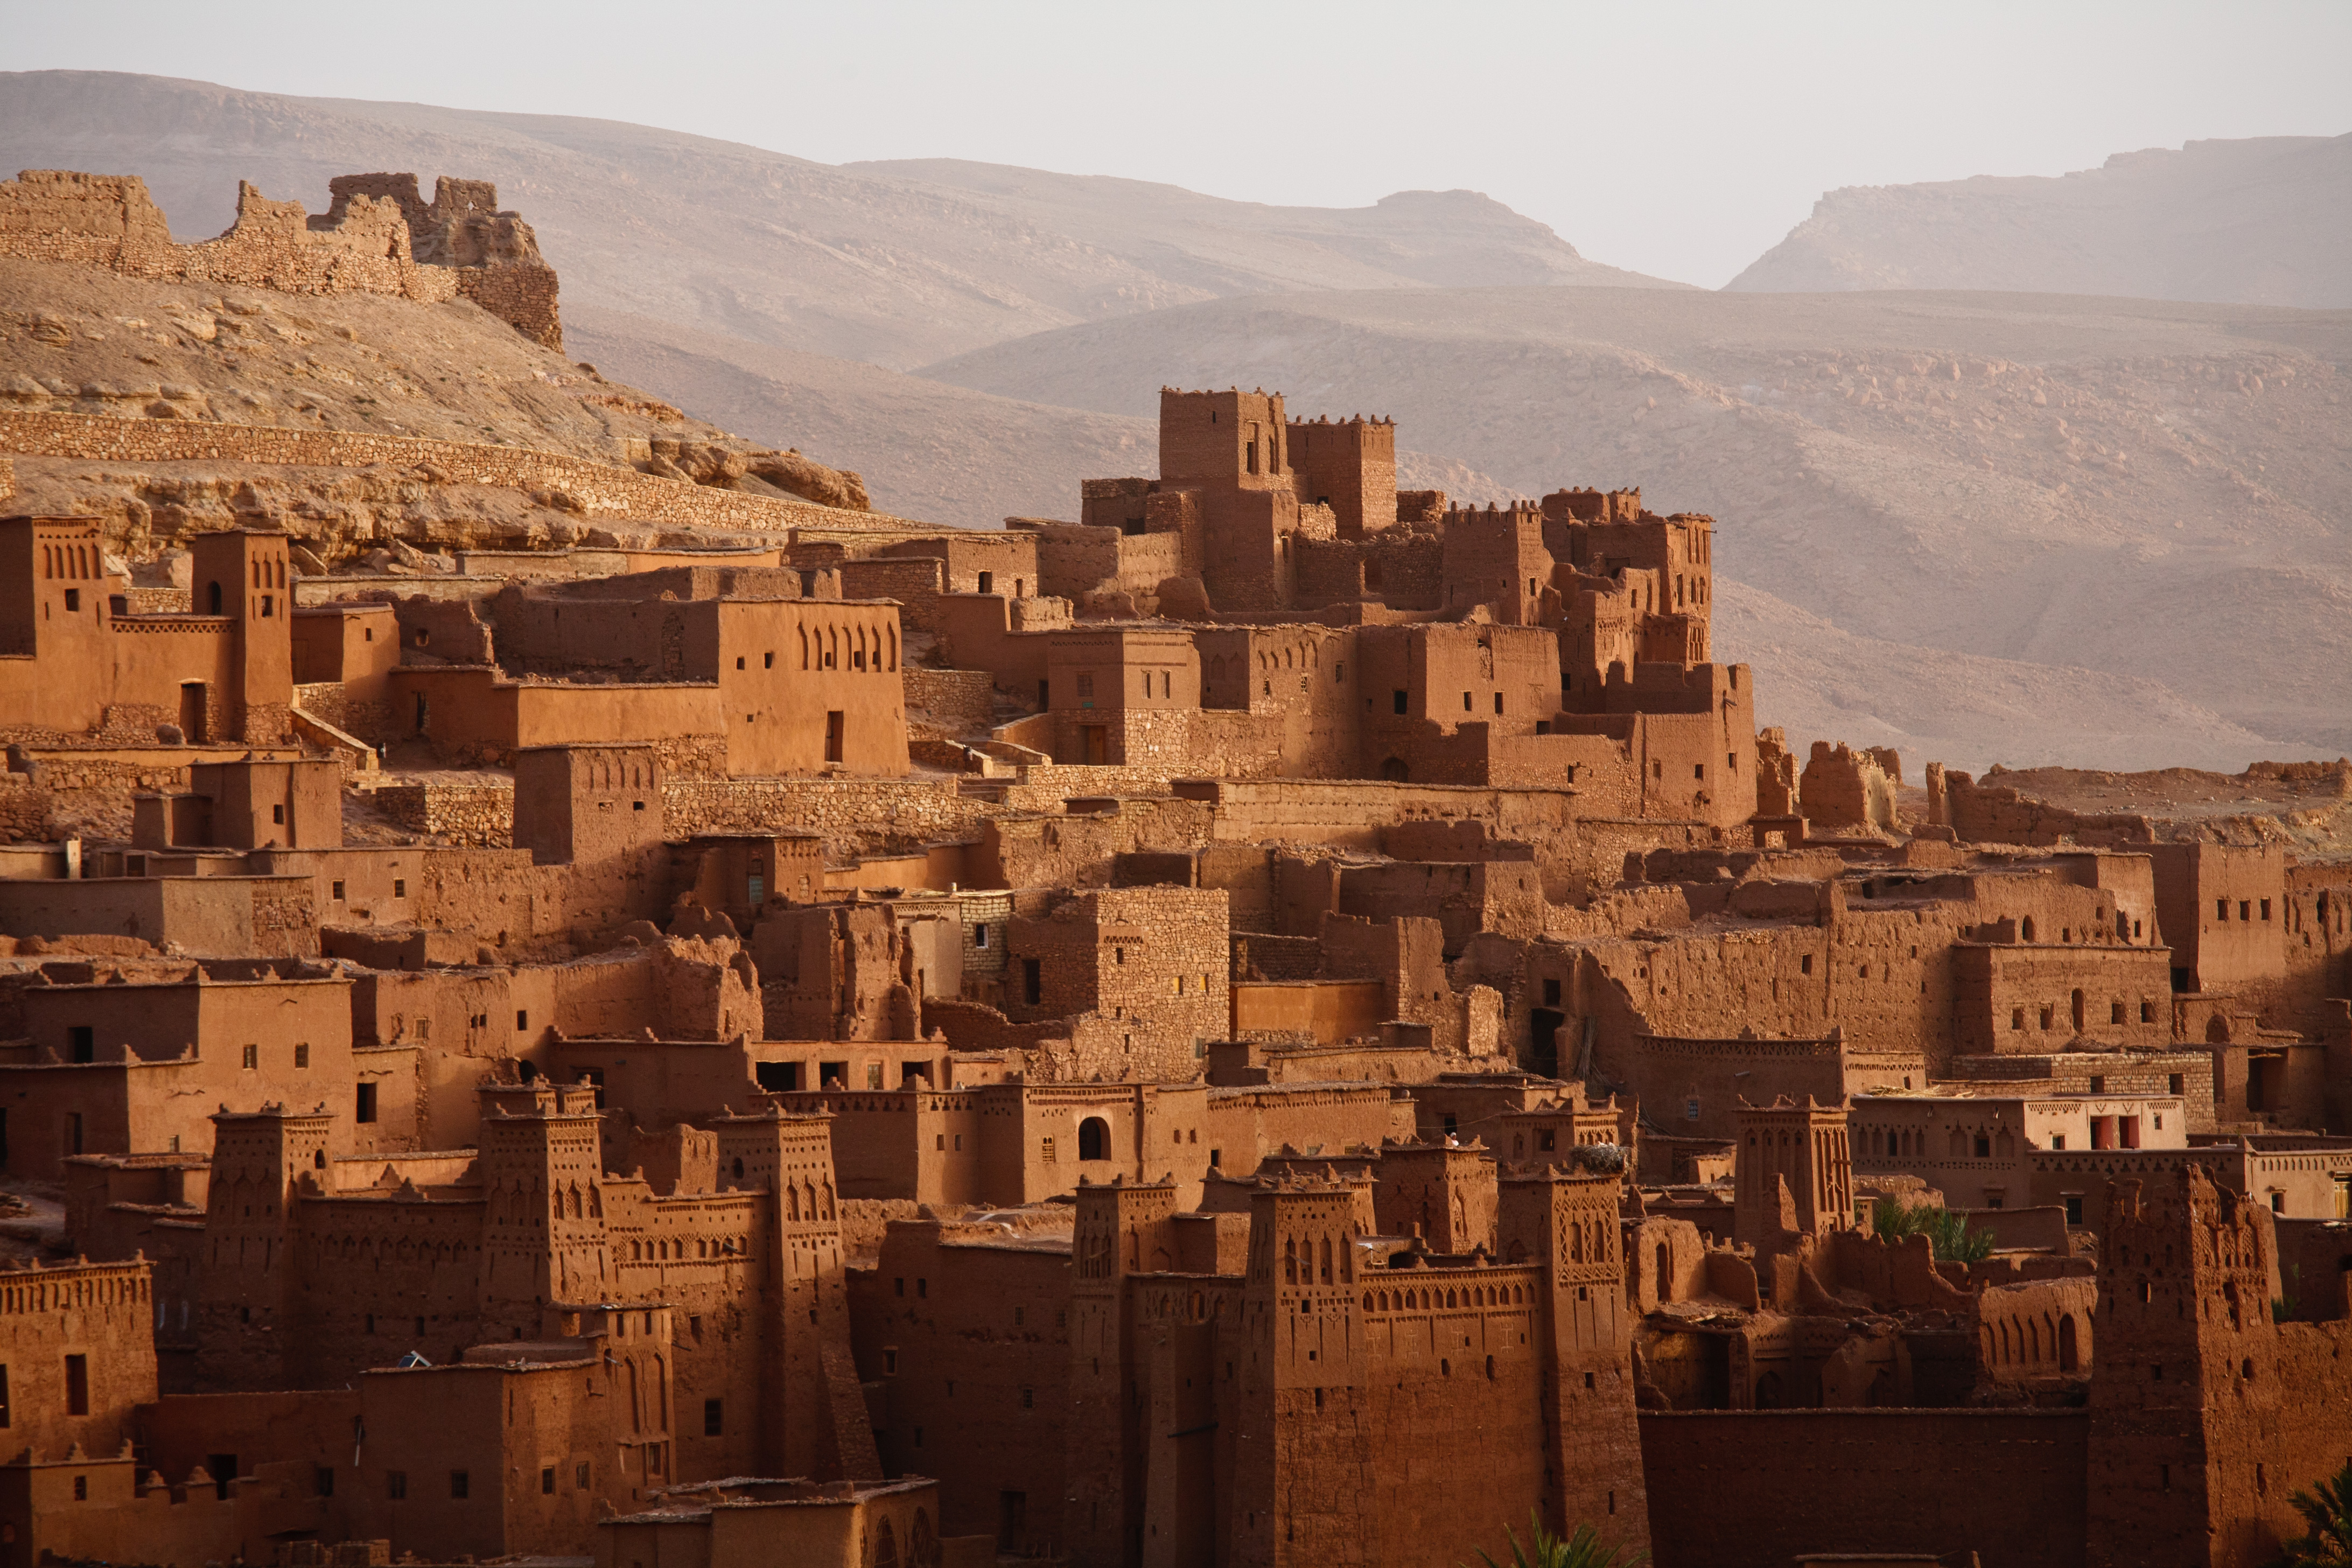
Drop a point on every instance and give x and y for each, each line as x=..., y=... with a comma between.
x=2326, y=1508
x=1581, y=1548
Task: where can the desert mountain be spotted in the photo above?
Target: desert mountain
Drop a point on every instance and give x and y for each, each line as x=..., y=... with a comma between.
x=2265, y=221
x=894, y=264
x=1986, y=527
x=927, y=449
x=2158, y=493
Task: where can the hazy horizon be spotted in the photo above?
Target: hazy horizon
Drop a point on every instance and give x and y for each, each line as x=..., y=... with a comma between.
x=1679, y=142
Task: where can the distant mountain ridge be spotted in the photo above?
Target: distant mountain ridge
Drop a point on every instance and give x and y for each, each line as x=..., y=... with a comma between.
x=2262, y=221
x=895, y=264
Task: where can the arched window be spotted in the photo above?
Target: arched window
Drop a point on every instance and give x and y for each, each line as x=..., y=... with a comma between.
x=1094, y=1139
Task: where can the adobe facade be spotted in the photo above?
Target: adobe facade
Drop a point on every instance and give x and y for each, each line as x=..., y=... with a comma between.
x=1279, y=1019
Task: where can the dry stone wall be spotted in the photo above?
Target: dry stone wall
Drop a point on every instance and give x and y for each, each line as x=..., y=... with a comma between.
x=852, y=814
x=478, y=816
x=599, y=490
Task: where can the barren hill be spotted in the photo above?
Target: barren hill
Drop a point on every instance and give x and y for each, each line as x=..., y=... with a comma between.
x=2262, y=221
x=79, y=341
x=897, y=265
x=2160, y=493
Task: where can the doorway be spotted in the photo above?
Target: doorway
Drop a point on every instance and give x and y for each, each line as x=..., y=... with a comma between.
x=192, y=709
x=1544, y=1024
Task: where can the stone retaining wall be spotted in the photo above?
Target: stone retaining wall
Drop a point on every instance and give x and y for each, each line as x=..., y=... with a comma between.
x=601, y=489
x=478, y=816
x=950, y=704
x=853, y=815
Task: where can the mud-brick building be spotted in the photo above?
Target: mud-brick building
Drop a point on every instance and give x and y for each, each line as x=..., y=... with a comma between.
x=1281, y=1387
x=74, y=662
x=740, y=1240
x=110, y=1066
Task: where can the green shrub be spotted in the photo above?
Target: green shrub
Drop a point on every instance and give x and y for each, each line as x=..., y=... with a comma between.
x=1581, y=1549
x=1948, y=1234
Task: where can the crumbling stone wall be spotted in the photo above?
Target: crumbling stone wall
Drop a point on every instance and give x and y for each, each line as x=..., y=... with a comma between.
x=365, y=244
x=1844, y=790
x=1995, y=813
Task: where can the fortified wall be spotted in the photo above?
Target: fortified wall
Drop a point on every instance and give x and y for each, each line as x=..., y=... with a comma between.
x=377, y=239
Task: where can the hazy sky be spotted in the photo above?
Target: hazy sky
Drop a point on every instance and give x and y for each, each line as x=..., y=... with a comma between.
x=1682, y=140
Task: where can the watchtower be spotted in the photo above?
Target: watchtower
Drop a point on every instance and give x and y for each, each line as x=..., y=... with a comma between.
x=240, y=575
x=1804, y=1145
x=1121, y=1231
x=261, y=1160
x=1232, y=438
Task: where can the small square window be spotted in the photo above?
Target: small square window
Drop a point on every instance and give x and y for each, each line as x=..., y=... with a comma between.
x=400, y=887
x=461, y=1484
x=395, y=1484
x=278, y=816
x=302, y=1056
x=579, y=1476
x=73, y=600
x=714, y=1418
x=522, y=1018
x=252, y=1057
x=338, y=892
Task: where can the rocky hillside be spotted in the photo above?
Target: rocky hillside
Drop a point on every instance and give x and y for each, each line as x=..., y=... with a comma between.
x=2266, y=221
x=894, y=264
x=2158, y=494
x=74, y=340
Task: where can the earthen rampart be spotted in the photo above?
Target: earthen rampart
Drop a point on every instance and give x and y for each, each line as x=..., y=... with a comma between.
x=1763, y=1488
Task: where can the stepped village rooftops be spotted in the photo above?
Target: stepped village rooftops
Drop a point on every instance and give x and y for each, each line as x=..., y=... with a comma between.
x=1280, y=1018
